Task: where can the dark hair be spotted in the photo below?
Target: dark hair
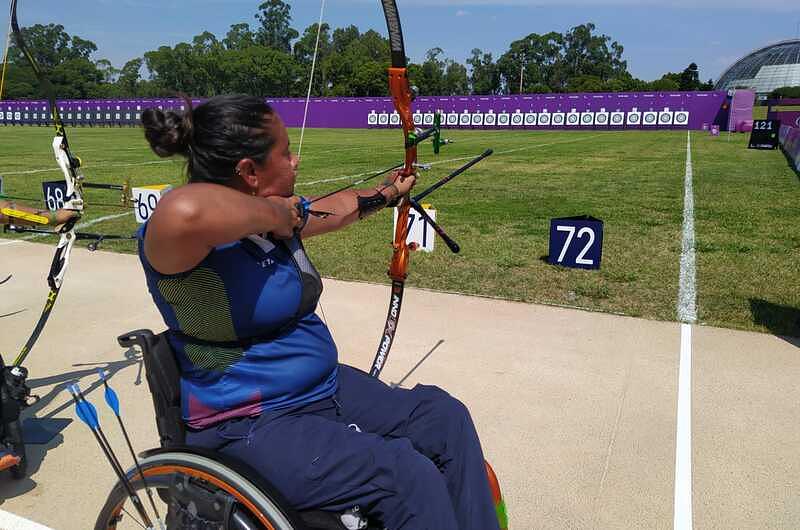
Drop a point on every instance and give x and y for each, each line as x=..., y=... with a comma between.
x=214, y=136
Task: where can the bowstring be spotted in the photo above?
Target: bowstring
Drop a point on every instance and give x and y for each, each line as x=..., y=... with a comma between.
x=303, y=127
x=311, y=78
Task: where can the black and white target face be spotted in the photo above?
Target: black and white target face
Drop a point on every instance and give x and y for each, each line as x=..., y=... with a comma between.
x=601, y=118
x=477, y=119
x=650, y=118
x=452, y=119
x=489, y=119
x=502, y=119
x=557, y=118
x=572, y=118
x=417, y=118
x=617, y=118
x=530, y=119
x=665, y=118
x=465, y=119
x=427, y=118
x=634, y=118
x=682, y=117
x=372, y=118
x=587, y=118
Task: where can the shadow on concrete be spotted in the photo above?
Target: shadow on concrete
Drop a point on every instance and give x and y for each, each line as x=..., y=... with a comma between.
x=781, y=320
x=36, y=453
x=419, y=363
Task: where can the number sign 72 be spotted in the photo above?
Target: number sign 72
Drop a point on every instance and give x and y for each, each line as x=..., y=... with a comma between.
x=576, y=242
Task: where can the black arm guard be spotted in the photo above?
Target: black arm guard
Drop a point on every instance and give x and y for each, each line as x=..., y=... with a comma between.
x=371, y=204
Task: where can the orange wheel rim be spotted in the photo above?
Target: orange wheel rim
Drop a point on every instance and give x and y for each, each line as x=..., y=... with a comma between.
x=171, y=468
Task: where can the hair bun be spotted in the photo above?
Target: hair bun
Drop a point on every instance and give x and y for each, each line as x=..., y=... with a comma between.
x=169, y=133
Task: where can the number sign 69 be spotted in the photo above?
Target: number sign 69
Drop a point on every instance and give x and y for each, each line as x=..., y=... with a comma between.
x=146, y=199
x=576, y=242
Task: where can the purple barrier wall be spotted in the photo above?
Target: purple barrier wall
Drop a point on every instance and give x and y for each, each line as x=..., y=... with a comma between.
x=638, y=110
x=740, y=118
x=790, y=142
x=786, y=110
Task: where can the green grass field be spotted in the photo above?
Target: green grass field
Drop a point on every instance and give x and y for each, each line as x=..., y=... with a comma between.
x=746, y=205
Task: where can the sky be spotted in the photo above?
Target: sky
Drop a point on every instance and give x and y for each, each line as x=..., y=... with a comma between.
x=657, y=35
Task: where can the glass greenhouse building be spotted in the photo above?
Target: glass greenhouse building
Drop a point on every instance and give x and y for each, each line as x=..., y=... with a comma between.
x=765, y=69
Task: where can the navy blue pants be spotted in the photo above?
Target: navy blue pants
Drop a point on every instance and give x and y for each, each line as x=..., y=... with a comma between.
x=410, y=458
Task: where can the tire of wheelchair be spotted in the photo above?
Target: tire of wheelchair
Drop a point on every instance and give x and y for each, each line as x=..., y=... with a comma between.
x=159, y=466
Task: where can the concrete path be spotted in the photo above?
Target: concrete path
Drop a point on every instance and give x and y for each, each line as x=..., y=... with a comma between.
x=576, y=410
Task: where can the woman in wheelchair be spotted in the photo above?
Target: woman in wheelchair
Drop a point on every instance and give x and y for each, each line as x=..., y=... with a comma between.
x=260, y=380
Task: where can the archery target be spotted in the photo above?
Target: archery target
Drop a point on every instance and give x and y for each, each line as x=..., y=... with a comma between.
x=427, y=118
x=417, y=116
x=634, y=118
x=587, y=118
x=394, y=118
x=383, y=118
x=372, y=118
x=545, y=119
x=601, y=118
x=665, y=117
x=573, y=118
x=452, y=119
x=617, y=118
x=477, y=118
x=650, y=117
x=558, y=119
x=681, y=117
x=517, y=119
x=503, y=119
x=490, y=119
x=464, y=119
x=530, y=119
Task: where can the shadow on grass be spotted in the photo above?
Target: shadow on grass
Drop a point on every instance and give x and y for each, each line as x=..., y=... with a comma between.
x=781, y=320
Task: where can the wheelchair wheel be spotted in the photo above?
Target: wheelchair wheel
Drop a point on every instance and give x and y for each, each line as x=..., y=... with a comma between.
x=243, y=504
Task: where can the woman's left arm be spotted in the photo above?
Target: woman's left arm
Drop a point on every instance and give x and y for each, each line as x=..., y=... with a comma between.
x=351, y=205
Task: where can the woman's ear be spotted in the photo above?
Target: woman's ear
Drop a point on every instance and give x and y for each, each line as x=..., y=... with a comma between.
x=245, y=170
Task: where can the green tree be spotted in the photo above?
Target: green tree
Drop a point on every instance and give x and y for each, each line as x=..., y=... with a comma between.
x=239, y=37
x=274, y=31
x=531, y=60
x=485, y=78
x=304, y=56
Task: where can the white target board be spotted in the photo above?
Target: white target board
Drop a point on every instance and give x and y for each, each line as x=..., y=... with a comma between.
x=558, y=119
x=617, y=119
x=650, y=118
x=503, y=119
x=634, y=118
x=601, y=118
x=517, y=119
x=573, y=119
x=587, y=118
x=681, y=118
x=665, y=117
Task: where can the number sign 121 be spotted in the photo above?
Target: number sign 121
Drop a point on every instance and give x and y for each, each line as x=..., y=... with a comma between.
x=576, y=242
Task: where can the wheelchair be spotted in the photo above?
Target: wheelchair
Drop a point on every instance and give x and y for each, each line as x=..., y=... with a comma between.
x=200, y=489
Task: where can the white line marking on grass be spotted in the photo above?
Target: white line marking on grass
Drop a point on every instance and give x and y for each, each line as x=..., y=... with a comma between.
x=79, y=226
x=687, y=294
x=439, y=162
x=687, y=314
x=32, y=171
x=9, y=521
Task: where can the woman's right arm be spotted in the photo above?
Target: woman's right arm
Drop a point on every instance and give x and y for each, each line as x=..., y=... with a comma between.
x=193, y=219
